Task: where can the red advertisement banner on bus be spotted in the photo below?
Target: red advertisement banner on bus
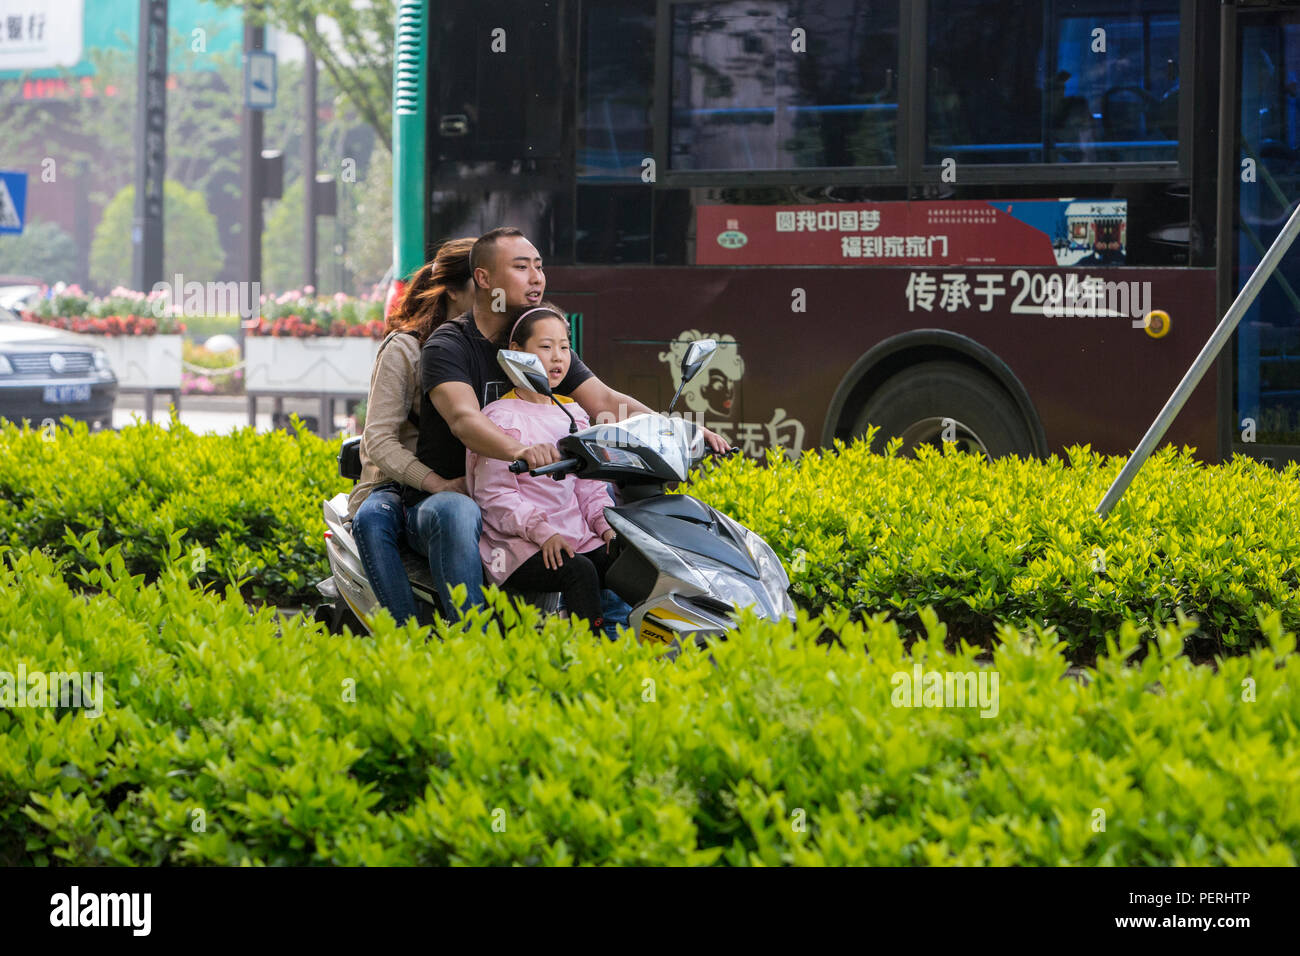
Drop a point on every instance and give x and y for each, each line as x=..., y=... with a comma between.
x=1038, y=232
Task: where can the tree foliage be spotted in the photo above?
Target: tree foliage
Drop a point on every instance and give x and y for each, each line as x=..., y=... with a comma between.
x=43, y=251
x=191, y=244
x=355, y=50
x=282, y=244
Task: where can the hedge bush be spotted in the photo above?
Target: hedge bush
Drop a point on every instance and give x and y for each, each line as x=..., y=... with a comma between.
x=1017, y=541
x=229, y=737
x=985, y=544
x=249, y=504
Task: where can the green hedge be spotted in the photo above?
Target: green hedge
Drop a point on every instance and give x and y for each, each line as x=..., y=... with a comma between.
x=1017, y=541
x=250, y=505
x=985, y=544
x=229, y=736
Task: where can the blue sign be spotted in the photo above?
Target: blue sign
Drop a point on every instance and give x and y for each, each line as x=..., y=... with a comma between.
x=259, y=80
x=13, y=202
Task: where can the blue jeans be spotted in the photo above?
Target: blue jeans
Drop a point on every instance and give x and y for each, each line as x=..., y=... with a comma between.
x=615, y=611
x=376, y=528
x=445, y=527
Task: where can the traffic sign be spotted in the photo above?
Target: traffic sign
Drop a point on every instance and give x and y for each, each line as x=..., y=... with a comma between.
x=13, y=201
x=259, y=80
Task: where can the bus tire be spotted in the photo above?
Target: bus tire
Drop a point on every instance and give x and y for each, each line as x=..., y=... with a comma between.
x=937, y=401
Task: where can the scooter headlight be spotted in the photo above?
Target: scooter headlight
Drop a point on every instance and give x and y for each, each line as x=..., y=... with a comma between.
x=770, y=573
x=616, y=456
x=727, y=585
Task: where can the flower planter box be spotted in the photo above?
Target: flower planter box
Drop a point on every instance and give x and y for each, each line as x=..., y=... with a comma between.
x=325, y=364
x=143, y=361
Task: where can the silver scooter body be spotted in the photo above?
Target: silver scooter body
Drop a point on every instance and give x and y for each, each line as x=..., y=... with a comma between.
x=684, y=567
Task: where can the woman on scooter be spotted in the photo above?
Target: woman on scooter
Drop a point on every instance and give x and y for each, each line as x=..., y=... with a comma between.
x=440, y=290
x=540, y=534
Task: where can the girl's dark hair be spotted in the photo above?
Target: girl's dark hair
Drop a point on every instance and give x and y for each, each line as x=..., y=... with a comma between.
x=523, y=329
x=424, y=305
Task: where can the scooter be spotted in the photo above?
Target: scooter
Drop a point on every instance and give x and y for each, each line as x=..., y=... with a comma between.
x=684, y=567
x=349, y=598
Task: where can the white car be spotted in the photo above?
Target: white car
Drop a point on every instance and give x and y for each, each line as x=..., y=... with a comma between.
x=49, y=373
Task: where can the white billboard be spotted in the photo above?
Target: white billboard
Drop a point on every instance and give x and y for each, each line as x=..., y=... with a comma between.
x=40, y=34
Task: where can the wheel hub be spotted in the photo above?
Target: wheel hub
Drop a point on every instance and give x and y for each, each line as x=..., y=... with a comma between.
x=934, y=431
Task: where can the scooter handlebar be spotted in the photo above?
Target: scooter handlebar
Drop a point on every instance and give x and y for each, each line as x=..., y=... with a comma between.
x=556, y=469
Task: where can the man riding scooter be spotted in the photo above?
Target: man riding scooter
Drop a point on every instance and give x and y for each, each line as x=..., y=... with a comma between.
x=459, y=375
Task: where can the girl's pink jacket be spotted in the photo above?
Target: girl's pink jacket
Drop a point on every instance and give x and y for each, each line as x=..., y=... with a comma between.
x=519, y=511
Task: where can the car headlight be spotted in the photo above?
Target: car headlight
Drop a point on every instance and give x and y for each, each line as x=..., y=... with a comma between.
x=5, y=367
x=100, y=358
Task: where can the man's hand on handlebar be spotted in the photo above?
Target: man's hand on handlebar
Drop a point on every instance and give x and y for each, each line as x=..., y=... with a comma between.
x=539, y=455
x=716, y=441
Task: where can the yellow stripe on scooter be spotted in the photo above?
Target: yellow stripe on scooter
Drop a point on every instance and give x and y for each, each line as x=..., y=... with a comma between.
x=664, y=612
x=654, y=631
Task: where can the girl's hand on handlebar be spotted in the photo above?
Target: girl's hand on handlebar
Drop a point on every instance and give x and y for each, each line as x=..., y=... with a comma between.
x=551, y=551
x=607, y=537
x=539, y=455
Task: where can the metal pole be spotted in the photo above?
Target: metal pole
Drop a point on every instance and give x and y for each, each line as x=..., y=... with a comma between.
x=151, y=148
x=251, y=143
x=309, y=169
x=1209, y=353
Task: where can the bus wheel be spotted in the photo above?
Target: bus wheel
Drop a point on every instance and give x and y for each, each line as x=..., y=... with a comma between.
x=934, y=402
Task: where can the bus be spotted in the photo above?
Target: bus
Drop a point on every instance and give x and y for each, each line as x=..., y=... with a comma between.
x=1010, y=224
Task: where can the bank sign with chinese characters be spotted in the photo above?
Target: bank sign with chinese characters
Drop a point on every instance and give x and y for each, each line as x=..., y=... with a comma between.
x=38, y=34
x=1038, y=232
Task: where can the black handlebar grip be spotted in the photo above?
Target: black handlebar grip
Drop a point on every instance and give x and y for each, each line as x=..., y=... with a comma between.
x=518, y=466
x=563, y=465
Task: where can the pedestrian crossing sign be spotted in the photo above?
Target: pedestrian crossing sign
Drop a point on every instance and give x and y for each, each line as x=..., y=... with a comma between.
x=13, y=201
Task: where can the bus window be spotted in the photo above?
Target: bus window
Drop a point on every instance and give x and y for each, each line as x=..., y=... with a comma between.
x=615, y=128
x=1017, y=82
x=1267, y=367
x=615, y=132
x=783, y=84
x=486, y=105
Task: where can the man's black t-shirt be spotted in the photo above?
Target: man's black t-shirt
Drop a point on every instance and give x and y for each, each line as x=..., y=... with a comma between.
x=458, y=352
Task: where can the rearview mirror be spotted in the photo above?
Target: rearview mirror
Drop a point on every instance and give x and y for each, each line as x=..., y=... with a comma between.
x=697, y=356
x=525, y=370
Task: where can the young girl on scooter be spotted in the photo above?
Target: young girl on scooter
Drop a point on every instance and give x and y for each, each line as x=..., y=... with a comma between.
x=540, y=534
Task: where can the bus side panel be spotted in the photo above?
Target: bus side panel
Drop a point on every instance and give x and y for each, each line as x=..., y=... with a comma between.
x=1093, y=379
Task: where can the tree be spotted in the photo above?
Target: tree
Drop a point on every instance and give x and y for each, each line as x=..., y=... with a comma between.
x=43, y=251
x=370, y=240
x=282, y=267
x=357, y=54
x=191, y=244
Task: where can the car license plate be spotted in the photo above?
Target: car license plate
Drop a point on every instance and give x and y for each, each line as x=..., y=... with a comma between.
x=62, y=394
